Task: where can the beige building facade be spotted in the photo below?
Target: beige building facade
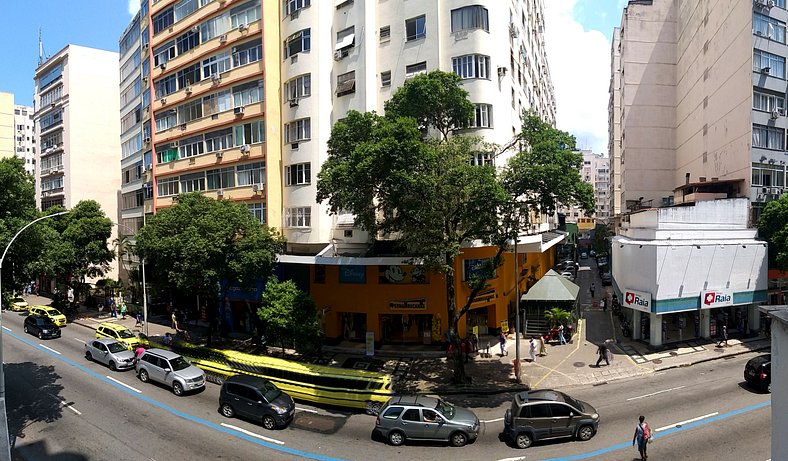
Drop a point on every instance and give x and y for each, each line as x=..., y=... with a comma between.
x=6, y=125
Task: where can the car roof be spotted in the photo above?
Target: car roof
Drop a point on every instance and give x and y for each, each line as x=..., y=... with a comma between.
x=539, y=395
x=163, y=353
x=414, y=400
x=112, y=326
x=761, y=359
x=106, y=341
x=253, y=381
x=41, y=317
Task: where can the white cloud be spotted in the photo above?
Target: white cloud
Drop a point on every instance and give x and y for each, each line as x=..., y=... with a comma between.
x=579, y=63
x=133, y=7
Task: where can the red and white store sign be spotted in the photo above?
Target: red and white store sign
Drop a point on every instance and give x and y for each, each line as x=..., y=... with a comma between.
x=716, y=298
x=638, y=300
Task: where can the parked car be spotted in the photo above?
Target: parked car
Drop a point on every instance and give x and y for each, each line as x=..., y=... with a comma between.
x=584, y=255
x=758, y=372
x=168, y=368
x=607, y=279
x=425, y=418
x=592, y=253
x=118, y=333
x=548, y=414
x=568, y=275
x=111, y=353
x=18, y=304
x=46, y=311
x=256, y=398
x=41, y=326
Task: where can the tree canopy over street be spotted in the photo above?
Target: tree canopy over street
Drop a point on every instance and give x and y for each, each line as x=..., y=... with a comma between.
x=289, y=315
x=433, y=194
x=773, y=227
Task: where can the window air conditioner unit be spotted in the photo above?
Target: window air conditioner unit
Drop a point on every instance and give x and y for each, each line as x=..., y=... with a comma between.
x=775, y=114
x=219, y=155
x=758, y=33
x=163, y=101
x=461, y=35
x=238, y=110
x=502, y=71
x=765, y=190
x=338, y=55
x=147, y=140
x=145, y=48
x=163, y=66
x=174, y=145
x=245, y=149
x=215, y=78
x=770, y=3
x=242, y=27
x=192, y=160
x=513, y=31
x=195, y=28
x=188, y=89
x=294, y=14
x=144, y=169
x=220, y=192
x=144, y=80
x=223, y=38
x=765, y=70
x=293, y=103
x=256, y=187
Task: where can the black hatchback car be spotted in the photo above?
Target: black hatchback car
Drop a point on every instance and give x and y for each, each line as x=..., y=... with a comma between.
x=758, y=372
x=43, y=327
x=257, y=399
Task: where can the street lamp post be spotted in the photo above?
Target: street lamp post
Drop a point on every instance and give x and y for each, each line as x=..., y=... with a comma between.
x=2, y=258
x=144, y=287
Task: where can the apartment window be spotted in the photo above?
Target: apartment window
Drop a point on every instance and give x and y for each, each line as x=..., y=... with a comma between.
x=220, y=178
x=768, y=102
x=165, y=86
x=416, y=28
x=250, y=133
x=185, y=8
x=190, y=111
x=298, y=217
x=52, y=184
x=298, y=130
x=471, y=66
x=765, y=62
x=51, y=119
x=130, y=36
x=219, y=140
x=298, y=42
x=191, y=147
x=768, y=137
x=245, y=14
x=52, y=162
x=767, y=175
x=131, y=119
x=385, y=78
x=193, y=182
x=189, y=75
x=771, y=28
x=248, y=93
x=131, y=93
x=298, y=174
x=247, y=53
x=50, y=77
x=130, y=65
x=346, y=38
x=251, y=173
x=415, y=69
x=164, y=155
x=346, y=83
x=215, y=65
x=385, y=33
x=291, y=6
x=166, y=119
x=131, y=146
x=469, y=18
x=163, y=20
x=214, y=27
x=258, y=211
x=217, y=102
x=164, y=53
x=133, y=200
x=51, y=96
x=298, y=87
x=482, y=116
x=166, y=187
x=483, y=159
x=51, y=140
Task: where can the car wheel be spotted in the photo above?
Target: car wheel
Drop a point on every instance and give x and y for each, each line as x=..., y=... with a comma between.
x=40, y=335
x=112, y=366
x=227, y=411
x=89, y=356
x=143, y=376
x=177, y=388
x=269, y=422
x=459, y=439
x=396, y=438
x=523, y=440
x=26, y=330
x=585, y=433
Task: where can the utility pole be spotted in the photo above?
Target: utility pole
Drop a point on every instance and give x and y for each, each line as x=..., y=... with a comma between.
x=517, y=373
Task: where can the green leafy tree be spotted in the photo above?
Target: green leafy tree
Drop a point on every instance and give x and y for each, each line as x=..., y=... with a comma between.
x=557, y=316
x=200, y=242
x=773, y=227
x=601, y=234
x=288, y=313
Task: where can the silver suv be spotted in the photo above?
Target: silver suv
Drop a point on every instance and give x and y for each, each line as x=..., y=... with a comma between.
x=426, y=418
x=170, y=369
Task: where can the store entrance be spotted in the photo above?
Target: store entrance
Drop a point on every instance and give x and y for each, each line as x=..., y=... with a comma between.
x=478, y=318
x=680, y=326
x=353, y=326
x=406, y=328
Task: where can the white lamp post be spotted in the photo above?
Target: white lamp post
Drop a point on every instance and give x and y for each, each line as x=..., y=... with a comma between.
x=144, y=287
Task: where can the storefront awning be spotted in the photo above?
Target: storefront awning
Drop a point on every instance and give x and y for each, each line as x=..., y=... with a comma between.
x=552, y=287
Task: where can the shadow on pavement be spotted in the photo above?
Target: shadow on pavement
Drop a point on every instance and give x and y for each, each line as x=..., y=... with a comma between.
x=39, y=450
x=25, y=407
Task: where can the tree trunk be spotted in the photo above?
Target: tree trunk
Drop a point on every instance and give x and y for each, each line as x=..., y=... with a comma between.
x=459, y=376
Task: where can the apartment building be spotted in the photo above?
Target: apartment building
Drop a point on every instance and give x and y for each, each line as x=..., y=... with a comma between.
x=202, y=121
x=6, y=125
x=595, y=171
x=702, y=99
x=77, y=130
x=24, y=137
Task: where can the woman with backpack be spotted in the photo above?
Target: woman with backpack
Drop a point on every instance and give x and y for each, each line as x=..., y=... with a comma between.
x=642, y=437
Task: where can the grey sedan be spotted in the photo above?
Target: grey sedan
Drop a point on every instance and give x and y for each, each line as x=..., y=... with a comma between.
x=109, y=352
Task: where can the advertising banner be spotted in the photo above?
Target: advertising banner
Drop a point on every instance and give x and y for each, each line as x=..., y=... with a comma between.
x=638, y=300
x=716, y=298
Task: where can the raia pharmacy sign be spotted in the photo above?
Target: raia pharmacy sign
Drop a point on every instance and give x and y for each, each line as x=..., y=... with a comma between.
x=716, y=298
x=637, y=300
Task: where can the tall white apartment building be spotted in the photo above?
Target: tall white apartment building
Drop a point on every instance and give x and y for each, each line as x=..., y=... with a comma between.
x=595, y=171
x=698, y=103
x=77, y=130
x=347, y=55
x=6, y=125
x=24, y=137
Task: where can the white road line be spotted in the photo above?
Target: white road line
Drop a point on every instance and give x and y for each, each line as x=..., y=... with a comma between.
x=308, y=410
x=7, y=329
x=65, y=404
x=664, y=428
x=49, y=349
x=125, y=385
x=493, y=421
x=261, y=437
x=655, y=393
x=519, y=458
x=83, y=342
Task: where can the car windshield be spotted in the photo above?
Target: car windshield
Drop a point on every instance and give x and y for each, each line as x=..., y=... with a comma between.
x=445, y=409
x=44, y=321
x=573, y=402
x=124, y=334
x=179, y=363
x=116, y=347
x=270, y=391
x=52, y=312
x=18, y=300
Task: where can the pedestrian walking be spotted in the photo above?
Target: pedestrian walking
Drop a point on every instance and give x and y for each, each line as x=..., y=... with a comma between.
x=642, y=437
x=502, y=341
x=542, y=347
x=174, y=319
x=604, y=304
x=532, y=349
x=593, y=289
x=723, y=337
x=602, y=351
x=139, y=320
x=123, y=310
x=561, y=339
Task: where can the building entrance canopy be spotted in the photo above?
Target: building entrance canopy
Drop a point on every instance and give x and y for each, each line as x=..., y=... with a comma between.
x=552, y=287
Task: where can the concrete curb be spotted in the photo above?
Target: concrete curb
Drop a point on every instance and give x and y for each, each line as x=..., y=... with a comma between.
x=461, y=391
x=710, y=359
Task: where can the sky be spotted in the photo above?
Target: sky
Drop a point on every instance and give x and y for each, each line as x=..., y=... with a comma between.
x=577, y=33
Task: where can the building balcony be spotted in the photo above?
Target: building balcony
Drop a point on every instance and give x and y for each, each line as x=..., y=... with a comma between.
x=236, y=194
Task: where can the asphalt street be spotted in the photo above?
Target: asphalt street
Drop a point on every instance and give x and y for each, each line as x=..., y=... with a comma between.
x=61, y=406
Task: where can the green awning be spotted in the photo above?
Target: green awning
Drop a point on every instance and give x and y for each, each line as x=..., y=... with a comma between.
x=552, y=287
